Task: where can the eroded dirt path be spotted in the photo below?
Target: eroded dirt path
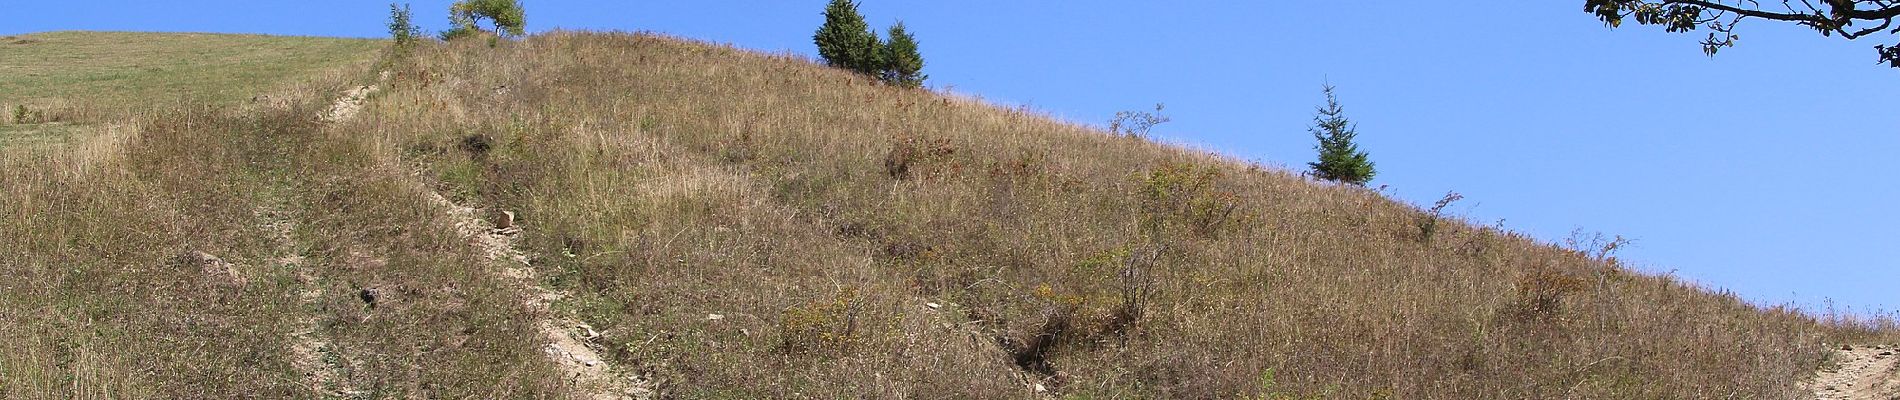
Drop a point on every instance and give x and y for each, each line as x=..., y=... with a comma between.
x=351, y=102
x=569, y=342
x=312, y=351
x=1861, y=373
x=313, y=355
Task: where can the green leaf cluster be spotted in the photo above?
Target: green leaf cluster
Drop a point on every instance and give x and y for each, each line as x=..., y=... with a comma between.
x=401, y=27
x=465, y=16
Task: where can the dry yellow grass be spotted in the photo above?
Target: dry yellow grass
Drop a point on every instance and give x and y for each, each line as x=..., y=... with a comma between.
x=741, y=225
x=100, y=301
x=667, y=179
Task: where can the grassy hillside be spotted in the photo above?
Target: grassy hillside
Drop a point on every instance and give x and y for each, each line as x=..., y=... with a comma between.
x=666, y=180
x=729, y=224
x=57, y=68
x=58, y=86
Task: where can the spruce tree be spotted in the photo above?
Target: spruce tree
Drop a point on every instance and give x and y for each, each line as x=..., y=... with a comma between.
x=845, y=41
x=903, y=65
x=1339, y=158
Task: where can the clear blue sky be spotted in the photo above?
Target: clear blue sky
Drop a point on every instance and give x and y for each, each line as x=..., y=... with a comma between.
x=1767, y=170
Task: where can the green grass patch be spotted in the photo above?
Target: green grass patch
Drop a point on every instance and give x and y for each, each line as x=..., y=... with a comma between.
x=129, y=67
x=37, y=134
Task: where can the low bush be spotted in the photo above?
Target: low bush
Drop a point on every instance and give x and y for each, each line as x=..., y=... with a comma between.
x=909, y=153
x=402, y=29
x=1428, y=223
x=1185, y=195
x=1541, y=293
x=21, y=115
x=828, y=326
x=1136, y=124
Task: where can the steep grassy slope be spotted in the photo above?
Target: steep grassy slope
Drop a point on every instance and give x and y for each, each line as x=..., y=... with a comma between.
x=105, y=296
x=859, y=239
x=738, y=225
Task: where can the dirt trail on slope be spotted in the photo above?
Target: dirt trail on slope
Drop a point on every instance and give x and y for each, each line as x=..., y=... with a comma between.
x=1863, y=373
x=312, y=352
x=310, y=347
x=351, y=102
x=568, y=341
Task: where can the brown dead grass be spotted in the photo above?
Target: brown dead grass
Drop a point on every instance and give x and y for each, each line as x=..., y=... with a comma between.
x=740, y=225
x=98, y=302
x=818, y=212
x=96, y=288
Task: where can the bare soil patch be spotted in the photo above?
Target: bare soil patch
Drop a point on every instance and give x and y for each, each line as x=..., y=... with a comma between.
x=1863, y=372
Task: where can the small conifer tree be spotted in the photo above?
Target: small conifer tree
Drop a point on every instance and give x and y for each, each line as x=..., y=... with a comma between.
x=903, y=65
x=845, y=41
x=1339, y=158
